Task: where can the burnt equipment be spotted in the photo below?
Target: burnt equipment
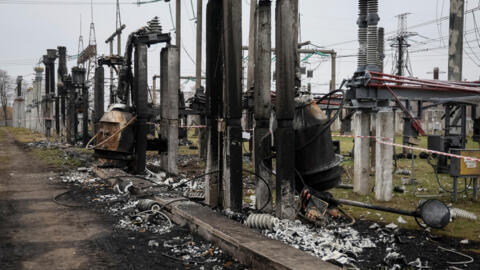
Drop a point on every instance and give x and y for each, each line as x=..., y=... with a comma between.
x=124, y=131
x=316, y=162
x=434, y=213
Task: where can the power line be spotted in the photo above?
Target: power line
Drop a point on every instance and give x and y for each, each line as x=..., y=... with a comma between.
x=66, y=3
x=411, y=27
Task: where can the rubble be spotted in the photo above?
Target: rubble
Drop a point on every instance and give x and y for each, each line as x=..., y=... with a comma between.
x=337, y=242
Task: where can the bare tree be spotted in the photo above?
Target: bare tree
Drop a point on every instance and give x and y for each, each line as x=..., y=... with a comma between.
x=5, y=92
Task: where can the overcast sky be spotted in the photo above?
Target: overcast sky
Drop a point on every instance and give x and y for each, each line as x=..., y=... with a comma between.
x=28, y=28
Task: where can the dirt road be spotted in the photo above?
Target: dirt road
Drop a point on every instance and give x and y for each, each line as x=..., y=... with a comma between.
x=36, y=233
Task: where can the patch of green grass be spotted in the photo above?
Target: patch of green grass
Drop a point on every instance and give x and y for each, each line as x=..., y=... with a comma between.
x=426, y=180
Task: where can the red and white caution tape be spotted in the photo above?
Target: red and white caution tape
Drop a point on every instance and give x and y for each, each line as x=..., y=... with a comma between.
x=389, y=141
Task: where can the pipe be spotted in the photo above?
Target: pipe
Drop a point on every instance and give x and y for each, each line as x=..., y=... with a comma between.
x=376, y=207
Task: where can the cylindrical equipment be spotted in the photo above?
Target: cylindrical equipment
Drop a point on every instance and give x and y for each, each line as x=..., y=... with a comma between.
x=362, y=35
x=315, y=158
x=372, y=39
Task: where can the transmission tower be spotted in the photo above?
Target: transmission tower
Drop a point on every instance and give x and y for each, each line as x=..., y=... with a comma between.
x=80, y=39
x=89, y=55
x=400, y=43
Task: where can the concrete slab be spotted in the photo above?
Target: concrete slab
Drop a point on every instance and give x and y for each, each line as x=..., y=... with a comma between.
x=245, y=244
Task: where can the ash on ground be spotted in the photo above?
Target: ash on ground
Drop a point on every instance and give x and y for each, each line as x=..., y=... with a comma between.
x=146, y=239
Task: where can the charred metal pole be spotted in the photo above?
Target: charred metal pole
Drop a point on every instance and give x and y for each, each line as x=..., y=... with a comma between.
x=214, y=95
x=85, y=106
x=286, y=45
x=70, y=91
x=232, y=152
x=99, y=102
x=62, y=73
x=262, y=105
x=455, y=43
x=140, y=85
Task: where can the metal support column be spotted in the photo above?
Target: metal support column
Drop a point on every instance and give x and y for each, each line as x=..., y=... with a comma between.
x=214, y=95
x=286, y=46
x=232, y=152
x=262, y=106
x=140, y=85
x=99, y=102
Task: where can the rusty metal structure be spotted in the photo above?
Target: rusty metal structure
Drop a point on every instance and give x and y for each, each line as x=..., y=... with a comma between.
x=126, y=130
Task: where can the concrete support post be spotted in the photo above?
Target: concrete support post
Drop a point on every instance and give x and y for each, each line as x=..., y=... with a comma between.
x=140, y=85
x=384, y=153
x=170, y=85
x=99, y=102
x=262, y=106
x=232, y=152
x=455, y=42
x=333, y=80
x=214, y=95
x=361, y=152
x=286, y=46
x=373, y=144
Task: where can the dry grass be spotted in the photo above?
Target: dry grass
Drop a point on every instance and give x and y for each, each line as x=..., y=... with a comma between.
x=23, y=135
x=51, y=157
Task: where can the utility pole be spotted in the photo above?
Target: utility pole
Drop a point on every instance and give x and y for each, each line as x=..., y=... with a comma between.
x=262, y=105
x=455, y=41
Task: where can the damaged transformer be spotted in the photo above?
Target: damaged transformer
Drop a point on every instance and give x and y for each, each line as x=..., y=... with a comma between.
x=128, y=129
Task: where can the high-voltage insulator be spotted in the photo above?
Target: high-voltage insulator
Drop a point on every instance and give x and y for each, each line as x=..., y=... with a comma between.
x=154, y=25
x=362, y=34
x=261, y=221
x=460, y=213
x=372, y=41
